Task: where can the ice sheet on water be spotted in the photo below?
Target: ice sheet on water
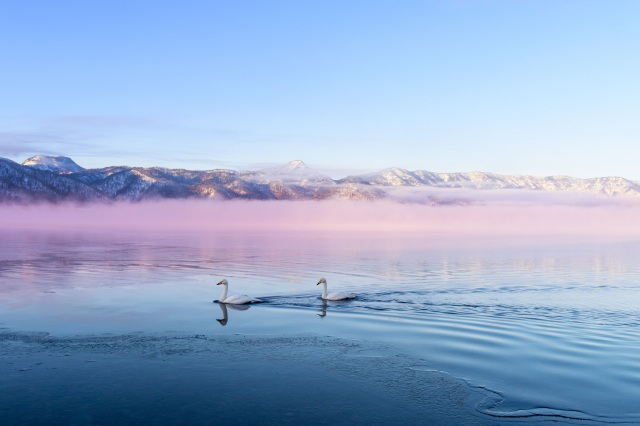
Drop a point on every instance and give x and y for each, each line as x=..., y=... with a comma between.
x=237, y=377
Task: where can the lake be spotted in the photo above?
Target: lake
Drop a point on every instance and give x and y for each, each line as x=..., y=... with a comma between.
x=119, y=327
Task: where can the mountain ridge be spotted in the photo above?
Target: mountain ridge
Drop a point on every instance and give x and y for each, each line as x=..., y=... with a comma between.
x=52, y=163
x=56, y=179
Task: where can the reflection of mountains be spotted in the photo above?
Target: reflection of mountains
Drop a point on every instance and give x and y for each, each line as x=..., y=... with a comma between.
x=225, y=315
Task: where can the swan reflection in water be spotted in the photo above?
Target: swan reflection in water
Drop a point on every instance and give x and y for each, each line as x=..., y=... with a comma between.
x=323, y=309
x=330, y=304
x=225, y=317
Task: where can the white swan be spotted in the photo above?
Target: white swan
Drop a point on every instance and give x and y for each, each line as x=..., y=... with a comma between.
x=236, y=299
x=337, y=295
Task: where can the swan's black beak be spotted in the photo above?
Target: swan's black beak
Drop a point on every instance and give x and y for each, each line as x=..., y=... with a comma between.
x=219, y=283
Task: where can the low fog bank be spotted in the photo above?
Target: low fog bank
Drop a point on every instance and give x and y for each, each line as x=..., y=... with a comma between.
x=602, y=217
x=472, y=196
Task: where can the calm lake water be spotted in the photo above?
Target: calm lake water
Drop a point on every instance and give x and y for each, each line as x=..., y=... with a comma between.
x=545, y=329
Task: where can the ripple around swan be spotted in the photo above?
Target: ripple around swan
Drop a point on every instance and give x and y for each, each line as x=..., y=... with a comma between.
x=542, y=360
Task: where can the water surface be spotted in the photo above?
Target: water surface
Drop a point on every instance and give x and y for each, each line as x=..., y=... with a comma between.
x=546, y=329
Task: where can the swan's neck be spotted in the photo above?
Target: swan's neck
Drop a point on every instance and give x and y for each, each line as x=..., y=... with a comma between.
x=324, y=290
x=224, y=293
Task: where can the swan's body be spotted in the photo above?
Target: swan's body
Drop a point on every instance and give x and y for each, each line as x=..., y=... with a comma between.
x=236, y=299
x=336, y=295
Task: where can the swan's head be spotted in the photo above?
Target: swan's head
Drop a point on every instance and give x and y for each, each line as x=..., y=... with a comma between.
x=223, y=282
x=322, y=281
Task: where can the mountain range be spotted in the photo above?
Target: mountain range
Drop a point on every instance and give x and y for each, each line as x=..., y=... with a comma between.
x=57, y=178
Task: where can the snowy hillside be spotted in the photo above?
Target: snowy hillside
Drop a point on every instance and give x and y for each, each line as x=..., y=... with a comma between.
x=54, y=179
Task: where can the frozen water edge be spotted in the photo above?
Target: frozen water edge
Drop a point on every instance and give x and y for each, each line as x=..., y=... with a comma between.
x=195, y=379
x=176, y=378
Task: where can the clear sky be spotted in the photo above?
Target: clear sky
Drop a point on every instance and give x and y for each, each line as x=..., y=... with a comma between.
x=511, y=86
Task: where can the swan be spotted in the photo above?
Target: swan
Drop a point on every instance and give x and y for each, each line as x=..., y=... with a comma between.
x=236, y=299
x=337, y=295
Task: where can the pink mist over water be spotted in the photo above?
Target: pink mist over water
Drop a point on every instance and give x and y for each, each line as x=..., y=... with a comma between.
x=614, y=219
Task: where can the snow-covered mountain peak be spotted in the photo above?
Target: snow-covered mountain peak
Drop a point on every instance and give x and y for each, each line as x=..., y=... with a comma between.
x=294, y=171
x=296, y=165
x=57, y=164
x=295, y=168
x=53, y=179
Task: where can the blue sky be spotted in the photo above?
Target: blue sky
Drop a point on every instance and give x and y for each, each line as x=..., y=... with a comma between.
x=528, y=86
